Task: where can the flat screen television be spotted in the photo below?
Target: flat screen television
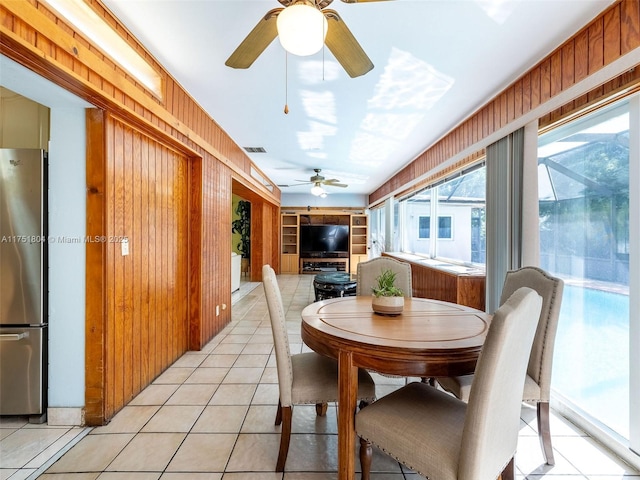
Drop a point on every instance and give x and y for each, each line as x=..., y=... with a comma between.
x=324, y=240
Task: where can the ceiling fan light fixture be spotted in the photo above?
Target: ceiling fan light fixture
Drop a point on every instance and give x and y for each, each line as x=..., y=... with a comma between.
x=317, y=190
x=302, y=28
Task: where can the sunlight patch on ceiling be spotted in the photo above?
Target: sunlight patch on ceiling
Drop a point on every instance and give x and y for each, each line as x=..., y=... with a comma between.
x=408, y=82
x=319, y=106
x=370, y=149
x=497, y=10
x=396, y=126
x=313, y=139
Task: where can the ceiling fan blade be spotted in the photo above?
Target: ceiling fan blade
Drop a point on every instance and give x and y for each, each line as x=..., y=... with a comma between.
x=341, y=185
x=331, y=180
x=294, y=184
x=345, y=47
x=254, y=44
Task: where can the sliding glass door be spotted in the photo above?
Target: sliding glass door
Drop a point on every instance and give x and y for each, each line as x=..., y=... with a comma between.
x=583, y=170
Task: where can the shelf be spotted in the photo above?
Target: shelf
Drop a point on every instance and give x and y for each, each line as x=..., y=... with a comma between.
x=359, y=240
x=289, y=243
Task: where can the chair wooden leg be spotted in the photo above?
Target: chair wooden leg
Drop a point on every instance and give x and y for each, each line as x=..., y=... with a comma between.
x=279, y=414
x=366, y=453
x=285, y=437
x=321, y=409
x=509, y=472
x=544, y=432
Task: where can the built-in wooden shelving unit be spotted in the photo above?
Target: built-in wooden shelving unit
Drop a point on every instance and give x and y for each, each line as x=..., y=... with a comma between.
x=290, y=241
x=359, y=241
x=291, y=259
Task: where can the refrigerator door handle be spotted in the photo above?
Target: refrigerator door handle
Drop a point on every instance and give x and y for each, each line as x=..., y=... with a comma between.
x=13, y=337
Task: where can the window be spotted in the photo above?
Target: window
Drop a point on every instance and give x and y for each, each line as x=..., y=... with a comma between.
x=444, y=227
x=478, y=236
x=424, y=227
x=458, y=205
x=377, y=231
x=583, y=170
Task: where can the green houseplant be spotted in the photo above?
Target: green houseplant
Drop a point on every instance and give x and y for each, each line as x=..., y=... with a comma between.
x=387, y=298
x=242, y=226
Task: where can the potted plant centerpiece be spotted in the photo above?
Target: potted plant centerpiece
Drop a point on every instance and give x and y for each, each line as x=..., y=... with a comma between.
x=387, y=298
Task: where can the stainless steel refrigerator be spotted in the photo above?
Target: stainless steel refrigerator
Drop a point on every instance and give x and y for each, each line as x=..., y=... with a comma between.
x=23, y=306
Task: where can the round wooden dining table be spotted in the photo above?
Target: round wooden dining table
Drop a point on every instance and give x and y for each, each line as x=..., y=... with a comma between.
x=430, y=338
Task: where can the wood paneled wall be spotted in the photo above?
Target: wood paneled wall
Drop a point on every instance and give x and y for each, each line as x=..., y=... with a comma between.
x=162, y=168
x=215, y=261
x=143, y=296
x=609, y=36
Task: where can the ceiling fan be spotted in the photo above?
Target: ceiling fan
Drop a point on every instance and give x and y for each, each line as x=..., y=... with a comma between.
x=339, y=38
x=317, y=181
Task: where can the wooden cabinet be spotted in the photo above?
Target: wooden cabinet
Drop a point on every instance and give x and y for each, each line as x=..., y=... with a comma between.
x=441, y=281
x=290, y=239
x=289, y=263
x=355, y=260
x=359, y=241
x=292, y=262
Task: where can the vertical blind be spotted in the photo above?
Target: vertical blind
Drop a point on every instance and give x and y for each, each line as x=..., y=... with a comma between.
x=504, y=162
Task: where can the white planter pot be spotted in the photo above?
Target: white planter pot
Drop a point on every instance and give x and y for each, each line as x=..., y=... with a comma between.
x=387, y=305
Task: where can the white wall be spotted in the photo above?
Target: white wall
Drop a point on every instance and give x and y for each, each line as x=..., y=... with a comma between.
x=67, y=218
x=67, y=214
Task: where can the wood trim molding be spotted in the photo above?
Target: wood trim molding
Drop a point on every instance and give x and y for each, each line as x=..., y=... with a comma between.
x=96, y=261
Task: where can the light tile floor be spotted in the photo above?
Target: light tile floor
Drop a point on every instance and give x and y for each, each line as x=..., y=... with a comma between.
x=210, y=416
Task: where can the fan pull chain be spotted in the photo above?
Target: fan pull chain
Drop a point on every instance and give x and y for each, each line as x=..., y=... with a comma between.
x=324, y=46
x=286, y=79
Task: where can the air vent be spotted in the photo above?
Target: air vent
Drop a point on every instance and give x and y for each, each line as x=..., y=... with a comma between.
x=255, y=149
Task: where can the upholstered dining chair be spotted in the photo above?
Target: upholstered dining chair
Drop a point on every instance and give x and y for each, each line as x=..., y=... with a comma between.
x=305, y=378
x=440, y=436
x=367, y=272
x=537, y=386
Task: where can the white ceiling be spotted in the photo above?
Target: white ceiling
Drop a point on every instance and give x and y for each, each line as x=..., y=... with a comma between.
x=436, y=62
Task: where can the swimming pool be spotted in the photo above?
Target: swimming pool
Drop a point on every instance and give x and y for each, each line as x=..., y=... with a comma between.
x=591, y=356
